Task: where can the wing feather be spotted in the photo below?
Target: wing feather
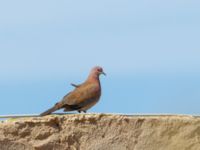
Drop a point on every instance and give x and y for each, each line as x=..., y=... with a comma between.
x=82, y=95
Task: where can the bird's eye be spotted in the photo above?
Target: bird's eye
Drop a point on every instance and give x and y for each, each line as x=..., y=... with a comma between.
x=99, y=70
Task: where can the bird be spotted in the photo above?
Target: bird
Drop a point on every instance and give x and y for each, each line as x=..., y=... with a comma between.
x=83, y=97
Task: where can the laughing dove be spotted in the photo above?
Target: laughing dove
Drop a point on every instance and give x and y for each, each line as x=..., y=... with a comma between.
x=83, y=97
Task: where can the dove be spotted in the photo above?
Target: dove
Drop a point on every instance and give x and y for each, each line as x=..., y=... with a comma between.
x=83, y=97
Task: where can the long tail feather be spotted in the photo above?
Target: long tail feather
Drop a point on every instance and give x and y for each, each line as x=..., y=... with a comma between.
x=49, y=111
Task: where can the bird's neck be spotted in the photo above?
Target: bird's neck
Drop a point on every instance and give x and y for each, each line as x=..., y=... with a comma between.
x=93, y=78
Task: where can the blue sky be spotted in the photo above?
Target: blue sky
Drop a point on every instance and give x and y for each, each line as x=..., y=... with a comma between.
x=149, y=49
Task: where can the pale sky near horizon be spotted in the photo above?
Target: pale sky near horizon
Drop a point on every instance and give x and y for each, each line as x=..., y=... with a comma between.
x=149, y=49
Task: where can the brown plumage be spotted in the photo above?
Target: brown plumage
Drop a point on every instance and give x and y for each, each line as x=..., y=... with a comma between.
x=83, y=97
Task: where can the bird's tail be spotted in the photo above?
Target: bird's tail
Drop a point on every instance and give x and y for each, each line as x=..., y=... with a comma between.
x=49, y=111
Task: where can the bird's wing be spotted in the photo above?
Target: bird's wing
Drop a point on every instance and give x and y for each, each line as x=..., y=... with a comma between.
x=81, y=95
x=75, y=85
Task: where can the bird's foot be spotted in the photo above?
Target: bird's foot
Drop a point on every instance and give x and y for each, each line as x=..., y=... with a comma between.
x=79, y=111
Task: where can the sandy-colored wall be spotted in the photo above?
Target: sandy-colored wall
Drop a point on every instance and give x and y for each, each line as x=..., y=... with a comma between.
x=101, y=132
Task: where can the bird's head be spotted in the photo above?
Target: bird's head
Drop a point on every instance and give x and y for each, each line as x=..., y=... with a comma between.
x=95, y=73
x=98, y=71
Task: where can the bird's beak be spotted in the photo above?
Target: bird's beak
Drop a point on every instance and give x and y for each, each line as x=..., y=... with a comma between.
x=103, y=73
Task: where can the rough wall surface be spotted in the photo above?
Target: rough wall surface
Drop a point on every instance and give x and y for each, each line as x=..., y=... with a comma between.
x=101, y=132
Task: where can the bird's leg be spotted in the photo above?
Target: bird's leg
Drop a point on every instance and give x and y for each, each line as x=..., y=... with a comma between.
x=79, y=111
